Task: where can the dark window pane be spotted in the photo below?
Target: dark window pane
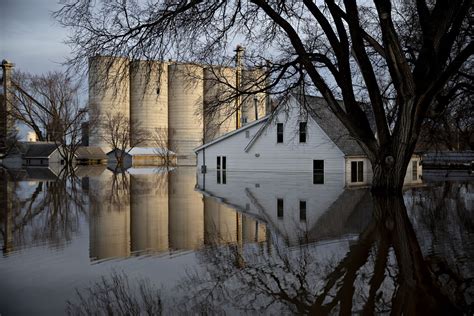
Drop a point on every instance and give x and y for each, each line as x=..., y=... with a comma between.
x=279, y=132
x=414, y=171
x=354, y=171
x=318, y=171
x=360, y=171
x=280, y=208
x=218, y=176
x=224, y=177
x=302, y=210
x=280, y=127
x=302, y=132
x=224, y=163
x=218, y=162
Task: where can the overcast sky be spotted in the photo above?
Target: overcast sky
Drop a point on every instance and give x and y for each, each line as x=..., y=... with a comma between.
x=29, y=36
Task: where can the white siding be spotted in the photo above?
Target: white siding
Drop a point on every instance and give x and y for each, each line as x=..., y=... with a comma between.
x=256, y=193
x=368, y=174
x=268, y=155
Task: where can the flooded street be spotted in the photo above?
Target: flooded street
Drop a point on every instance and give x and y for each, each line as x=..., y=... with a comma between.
x=175, y=241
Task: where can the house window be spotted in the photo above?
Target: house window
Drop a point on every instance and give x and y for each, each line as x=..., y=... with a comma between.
x=221, y=169
x=244, y=120
x=303, y=132
x=303, y=211
x=318, y=171
x=280, y=208
x=414, y=170
x=357, y=171
x=279, y=132
x=247, y=134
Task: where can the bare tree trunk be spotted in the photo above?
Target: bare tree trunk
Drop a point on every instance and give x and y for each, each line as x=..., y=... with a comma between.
x=417, y=292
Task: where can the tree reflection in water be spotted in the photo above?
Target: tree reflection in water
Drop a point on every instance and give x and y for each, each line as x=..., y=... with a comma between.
x=384, y=271
x=46, y=211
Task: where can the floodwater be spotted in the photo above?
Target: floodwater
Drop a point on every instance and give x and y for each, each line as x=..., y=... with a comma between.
x=177, y=242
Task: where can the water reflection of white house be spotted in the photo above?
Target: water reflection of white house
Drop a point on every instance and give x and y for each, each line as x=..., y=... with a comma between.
x=290, y=203
x=294, y=140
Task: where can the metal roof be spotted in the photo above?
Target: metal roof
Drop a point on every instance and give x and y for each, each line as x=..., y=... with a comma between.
x=243, y=128
x=40, y=150
x=331, y=125
x=84, y=152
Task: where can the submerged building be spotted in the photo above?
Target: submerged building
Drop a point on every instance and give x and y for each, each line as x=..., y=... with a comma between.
x=295, y=140
x=172, y=102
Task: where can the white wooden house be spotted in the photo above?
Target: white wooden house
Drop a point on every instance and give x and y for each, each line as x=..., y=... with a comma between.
x=291, y=140
x=42, y=154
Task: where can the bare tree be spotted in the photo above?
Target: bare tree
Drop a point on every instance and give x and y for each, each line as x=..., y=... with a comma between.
x=49, y=105
x=340, y=49
x=162, y=144
x=117, y=134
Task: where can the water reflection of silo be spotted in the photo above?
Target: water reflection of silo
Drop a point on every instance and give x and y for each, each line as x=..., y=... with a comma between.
x=149, y=212
x=109, y=234
x=252, y=230
x=220, y=222
x=186, y=210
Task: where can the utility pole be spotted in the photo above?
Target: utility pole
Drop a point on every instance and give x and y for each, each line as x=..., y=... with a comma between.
x=238, y=78
x=6, y=122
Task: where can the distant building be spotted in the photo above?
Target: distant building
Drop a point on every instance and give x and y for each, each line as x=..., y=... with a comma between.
x=291, y=140
x=90, y=155
x=42, y=154
x=31, y=137
x=143, y=156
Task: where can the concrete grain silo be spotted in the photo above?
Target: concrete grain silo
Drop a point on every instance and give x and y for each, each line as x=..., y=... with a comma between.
x=148, y=100
x=108, y=93
x=185, y=99
x=253, y=106
x=186, y=210
x=219, y=101
x=149, y=212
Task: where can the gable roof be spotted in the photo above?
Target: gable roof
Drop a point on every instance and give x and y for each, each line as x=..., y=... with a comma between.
x=319, y=112
x=85, y=152
x=229, y=134
x=331, y=125
x=40, y=150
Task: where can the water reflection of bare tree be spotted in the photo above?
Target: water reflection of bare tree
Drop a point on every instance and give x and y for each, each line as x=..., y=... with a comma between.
x=115, y=296
x=49, y=213
x=383, y=271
